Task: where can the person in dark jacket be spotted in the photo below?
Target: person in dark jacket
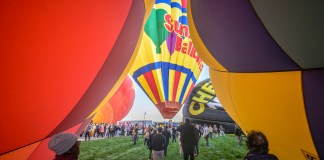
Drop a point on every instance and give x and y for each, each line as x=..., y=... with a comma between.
x=149, y=142
x=197, y=135
x=174, y=133
x=158, y=145
x=167, y=135
x=258, y=146
x=87, y=131
x=188, y=139
x=135, y=134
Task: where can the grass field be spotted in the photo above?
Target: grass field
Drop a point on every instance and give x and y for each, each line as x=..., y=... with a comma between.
x=122, y=148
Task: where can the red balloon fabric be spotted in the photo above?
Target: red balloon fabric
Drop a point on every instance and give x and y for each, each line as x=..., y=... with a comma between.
x=59, y=60
x=118, y=106
x=38, y=150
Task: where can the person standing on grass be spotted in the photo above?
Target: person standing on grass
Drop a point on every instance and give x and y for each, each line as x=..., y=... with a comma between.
x=93, y=130
x=135, y=133
x=147, y=135
x=126, y=129
x=197, y=135
x=201, y=129
x=143, y=131
x=221, y=130
x=97, y=130
x=101, y=131
x=149, y=142
x=105, y=130
x=131, y=130
x=118, y=130
x=110, y=128
x=216, y=130
x=206, y=134
x=238, y=133
x=122, y=130
x=180, y=145
x=167, y=135
x=150, y=128
x=174, y=133
x=87, y=131
x=188, y=139
x=158, y=145
x=210, y=132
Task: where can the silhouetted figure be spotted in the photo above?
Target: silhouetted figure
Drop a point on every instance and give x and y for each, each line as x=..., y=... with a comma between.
x=167, y=135
x=188, y=139
x=149, y=142
x=258, y=146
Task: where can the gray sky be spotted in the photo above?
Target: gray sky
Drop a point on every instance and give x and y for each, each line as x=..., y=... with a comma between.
x=143, y=104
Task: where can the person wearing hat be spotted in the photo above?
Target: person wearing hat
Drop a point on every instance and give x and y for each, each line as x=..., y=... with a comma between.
x=65, y=145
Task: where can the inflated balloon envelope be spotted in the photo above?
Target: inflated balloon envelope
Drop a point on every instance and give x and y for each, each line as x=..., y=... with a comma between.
x=203, y=107
x=267, y=67
x=167, y=65
x=118, y=106
x=60, y=60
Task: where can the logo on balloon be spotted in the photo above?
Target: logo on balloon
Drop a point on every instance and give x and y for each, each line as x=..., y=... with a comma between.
x=194, y=111
x=178, y=37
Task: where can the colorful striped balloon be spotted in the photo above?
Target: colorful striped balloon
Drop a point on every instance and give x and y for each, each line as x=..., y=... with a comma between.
x=167, y=65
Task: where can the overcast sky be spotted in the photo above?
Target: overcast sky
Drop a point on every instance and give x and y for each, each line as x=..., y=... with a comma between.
x=143, y=104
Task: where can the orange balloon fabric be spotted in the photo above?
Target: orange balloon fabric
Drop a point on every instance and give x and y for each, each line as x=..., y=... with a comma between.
x=58, y=61
x=38, y=150
x=118, y=106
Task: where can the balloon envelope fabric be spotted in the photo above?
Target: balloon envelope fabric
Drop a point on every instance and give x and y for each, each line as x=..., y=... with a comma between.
x=118, y=106
x=267, y=67
x=167, y=65
x=36, y=151
x=59, y=60
x=203, y=106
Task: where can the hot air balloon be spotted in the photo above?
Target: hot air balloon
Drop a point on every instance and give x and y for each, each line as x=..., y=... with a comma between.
x=202, y=106
x=167, y=65
x=59, y=61
x=267, y=67
x=118, y=106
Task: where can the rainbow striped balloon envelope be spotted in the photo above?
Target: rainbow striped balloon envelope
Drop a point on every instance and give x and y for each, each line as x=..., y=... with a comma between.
x=167, y=65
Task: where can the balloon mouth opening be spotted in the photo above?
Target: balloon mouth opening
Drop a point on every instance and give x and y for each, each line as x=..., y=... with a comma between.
x=169, y=109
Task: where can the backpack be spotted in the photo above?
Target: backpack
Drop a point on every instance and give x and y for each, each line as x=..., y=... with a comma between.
x=89, y=128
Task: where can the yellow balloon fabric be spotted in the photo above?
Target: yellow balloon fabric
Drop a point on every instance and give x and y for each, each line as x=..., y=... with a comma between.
x=267, y=68
x=271, y=102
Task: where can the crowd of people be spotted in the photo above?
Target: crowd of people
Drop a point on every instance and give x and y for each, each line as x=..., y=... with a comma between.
x=157, y=139
x=106, y=130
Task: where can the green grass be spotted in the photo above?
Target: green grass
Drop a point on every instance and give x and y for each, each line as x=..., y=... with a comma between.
x=122, y=148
